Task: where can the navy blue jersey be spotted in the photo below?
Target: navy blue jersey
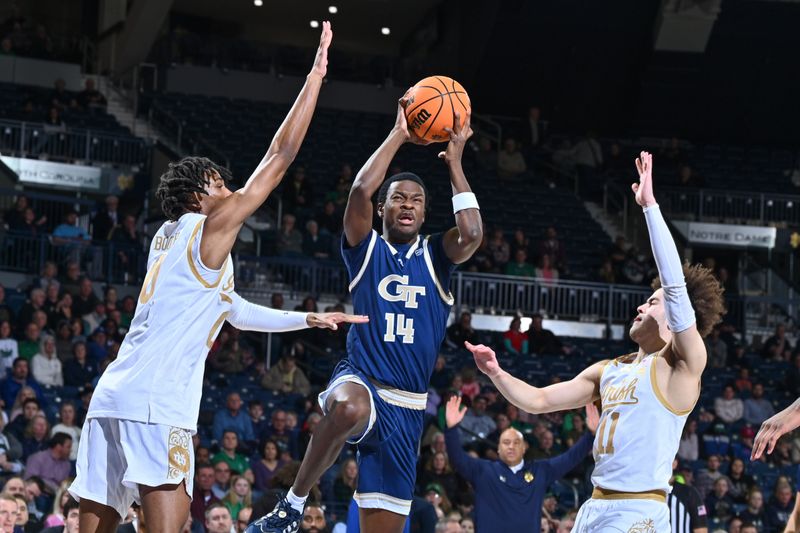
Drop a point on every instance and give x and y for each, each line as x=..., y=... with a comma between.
x=404, y=291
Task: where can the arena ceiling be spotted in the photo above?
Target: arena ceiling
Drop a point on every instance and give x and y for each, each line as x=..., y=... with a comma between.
x=357, y=24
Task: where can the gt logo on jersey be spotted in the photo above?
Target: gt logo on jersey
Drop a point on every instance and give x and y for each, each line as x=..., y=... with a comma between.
x=403, y=292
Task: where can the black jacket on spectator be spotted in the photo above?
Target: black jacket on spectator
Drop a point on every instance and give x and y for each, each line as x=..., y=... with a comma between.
x=102, y=226
x=77, y=374
x=543, y=341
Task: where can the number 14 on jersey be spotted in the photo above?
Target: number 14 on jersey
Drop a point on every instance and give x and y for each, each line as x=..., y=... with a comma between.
x=399, y=325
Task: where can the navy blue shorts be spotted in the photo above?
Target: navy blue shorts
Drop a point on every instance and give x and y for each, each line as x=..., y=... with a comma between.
x=389, y=446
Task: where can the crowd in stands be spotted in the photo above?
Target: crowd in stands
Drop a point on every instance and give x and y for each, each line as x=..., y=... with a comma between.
x=23, y=36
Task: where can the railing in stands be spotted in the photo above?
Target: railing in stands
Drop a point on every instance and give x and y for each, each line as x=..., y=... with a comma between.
x=702, y=204
x=51, y=206
x=69, y=144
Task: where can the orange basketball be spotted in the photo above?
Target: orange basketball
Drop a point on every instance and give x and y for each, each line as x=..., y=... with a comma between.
x=432, y=105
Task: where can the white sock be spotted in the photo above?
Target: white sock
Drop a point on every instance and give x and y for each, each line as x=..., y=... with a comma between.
x=297, y=502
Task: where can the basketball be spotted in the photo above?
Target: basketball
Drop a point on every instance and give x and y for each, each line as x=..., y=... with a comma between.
x=432, y=105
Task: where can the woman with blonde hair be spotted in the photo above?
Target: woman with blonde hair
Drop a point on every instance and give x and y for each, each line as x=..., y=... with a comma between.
x=36, y=436
x=239, y=496
x=56, y=518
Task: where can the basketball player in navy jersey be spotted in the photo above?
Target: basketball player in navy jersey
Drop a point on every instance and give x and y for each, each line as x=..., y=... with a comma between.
x=377, y=395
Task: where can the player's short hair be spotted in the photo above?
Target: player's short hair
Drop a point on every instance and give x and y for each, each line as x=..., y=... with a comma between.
x=182, y=180
x=403, y=176
x=705, y=294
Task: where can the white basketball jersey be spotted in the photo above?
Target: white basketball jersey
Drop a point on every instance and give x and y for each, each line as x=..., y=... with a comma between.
x=158, y=374
x=639, y=433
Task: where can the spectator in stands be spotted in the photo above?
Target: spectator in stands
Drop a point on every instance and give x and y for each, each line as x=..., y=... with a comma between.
x=520, y=266
x=16, y=217
x=728, y=407
x=226, y=357
x=437, y=470
x=60, y=98
x=459, y=332
x=514, y=340
x=233, y=418
x=754, y=513
x=35, y=437
x=290, y=240
x=283, y=437
x=520, y=242
x=29, y=345
x=546, y=271
x=330, y=220
x=105, y=219
x=307, y=432
x=706, y=477
x=545, y=448
x=52, y=298
x=9, y=349
x=45, y=365
x=70, y=235
x=6, y=312
x=128, y=307
x=128, y=243
x=90, y=96
x=510, y=161
x=47, y=277
x=287, y=377
x=25, y=407
x=239, y=496
x=777, y=347
x=36, y=301
x=345, y=483
x=85, y=300
x=687, y=177
x=222, y=479
x=40, y=319
x=483, y=258
x=52, y=465
x=202, y=496
x=719, y=502
x=757, y=408
x=689, y=448
x=743, y=382
x=218, y=519
x=535, y=133
x=551, y=245
x=543, y=341
x=238, y=462
x=499, y=248
x=66, y=414
x=298, y=196
x=265, y=466
x=10, y=387
x=79, y=371
x=71, y=280
x=740, y=482
x=486, y=156
x=10, y=450
x=442, y=376
x=97, y=347
x=477, y=424
x=780, y=505
x=314, y=519
x=717, y=350
x=316, y=244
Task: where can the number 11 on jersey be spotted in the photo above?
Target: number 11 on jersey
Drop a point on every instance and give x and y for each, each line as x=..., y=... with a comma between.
x=398, y=324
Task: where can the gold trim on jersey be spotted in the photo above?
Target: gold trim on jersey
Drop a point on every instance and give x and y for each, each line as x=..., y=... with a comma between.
x=192, y=266
x=225, y=298
x=607, y=494
x=660, y=396
x=211, y=336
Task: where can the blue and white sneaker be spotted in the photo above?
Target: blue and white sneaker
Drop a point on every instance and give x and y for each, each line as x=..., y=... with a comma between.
x=283, y=519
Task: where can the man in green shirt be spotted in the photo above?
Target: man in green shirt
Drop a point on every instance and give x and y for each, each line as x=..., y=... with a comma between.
x=519, y=266
x=238, y=462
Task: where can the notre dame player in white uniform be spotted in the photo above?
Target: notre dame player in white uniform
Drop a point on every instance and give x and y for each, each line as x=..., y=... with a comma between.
x=646, y=396
x=137, y=437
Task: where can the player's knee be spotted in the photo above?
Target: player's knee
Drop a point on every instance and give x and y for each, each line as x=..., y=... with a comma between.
x=351, y=415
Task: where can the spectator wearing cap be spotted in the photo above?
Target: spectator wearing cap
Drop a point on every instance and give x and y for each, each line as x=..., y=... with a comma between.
x=45, y=365
x=757, y=408
x=10, y=386
x=287, y=377
x=509, y=493
x=743, y=448
x=51, y=465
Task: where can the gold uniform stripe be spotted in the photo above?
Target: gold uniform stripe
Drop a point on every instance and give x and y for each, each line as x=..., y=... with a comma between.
x=606, y=494
x=214, y=328
x=193, y=268
x=660, y=396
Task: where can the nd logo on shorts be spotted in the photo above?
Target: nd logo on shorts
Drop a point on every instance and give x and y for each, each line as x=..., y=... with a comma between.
x=179, y=459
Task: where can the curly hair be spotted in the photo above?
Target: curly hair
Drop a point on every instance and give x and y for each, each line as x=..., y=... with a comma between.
x=705, y=293
x=182, y=180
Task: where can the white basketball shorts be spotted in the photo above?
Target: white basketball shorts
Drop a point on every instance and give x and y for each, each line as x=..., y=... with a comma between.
x=625, y=516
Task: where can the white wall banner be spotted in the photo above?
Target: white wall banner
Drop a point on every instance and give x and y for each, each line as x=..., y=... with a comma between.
x=732, y=235
x=60, y=175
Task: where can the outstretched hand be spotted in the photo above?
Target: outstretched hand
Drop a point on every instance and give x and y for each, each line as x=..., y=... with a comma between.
x=320, y=67
x=453, y=413
x=644, y=189
x=774, y=428
x=458, y=138
x=592, y=417
x=332, y=320
x=485, y=358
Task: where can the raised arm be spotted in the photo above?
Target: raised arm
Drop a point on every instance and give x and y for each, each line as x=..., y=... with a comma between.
x=461, y=241
x=248, y=316
x=224, y=223
x=688, y=347
x=358, y=212
x=580, y=390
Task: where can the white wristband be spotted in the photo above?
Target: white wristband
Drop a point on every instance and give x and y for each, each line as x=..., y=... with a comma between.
x=464, y=200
